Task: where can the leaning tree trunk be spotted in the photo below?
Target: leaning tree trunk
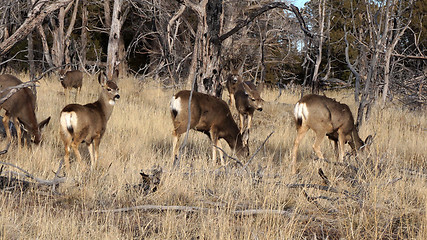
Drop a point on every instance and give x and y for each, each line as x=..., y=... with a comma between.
x=40, y=10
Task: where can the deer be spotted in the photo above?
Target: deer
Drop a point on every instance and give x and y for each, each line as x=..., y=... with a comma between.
x=20, y=110
x=87, y=123
x=326, y=117
x=71, y=79
x=247, y=99
x=232, y=80
x=208, y=115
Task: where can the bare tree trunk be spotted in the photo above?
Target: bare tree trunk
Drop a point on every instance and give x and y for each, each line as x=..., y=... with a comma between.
x=208, y=42
x=46, y=49
x=107, y=13
x=315, y=79
x=113, y=41
x=83, y=36
x=387, y=57
x=67, y=37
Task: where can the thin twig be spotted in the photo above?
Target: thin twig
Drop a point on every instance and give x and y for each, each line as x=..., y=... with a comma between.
x=259, y=148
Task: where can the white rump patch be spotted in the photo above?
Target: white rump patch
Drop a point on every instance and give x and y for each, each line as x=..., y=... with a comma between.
x=68, y=120
x=175, y=104
x=300, y=111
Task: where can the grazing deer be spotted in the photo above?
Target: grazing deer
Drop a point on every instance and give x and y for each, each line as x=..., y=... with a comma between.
x=325, y=116
x=209, y=115
x=25, y=136
x=87, y=123
x=20, y=108
x=71, y=79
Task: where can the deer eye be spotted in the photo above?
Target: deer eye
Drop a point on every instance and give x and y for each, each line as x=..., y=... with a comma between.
x=253, y=99
x=109, y=89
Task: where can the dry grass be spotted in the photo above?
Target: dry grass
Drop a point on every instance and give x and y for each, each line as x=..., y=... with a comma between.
x=387, y=194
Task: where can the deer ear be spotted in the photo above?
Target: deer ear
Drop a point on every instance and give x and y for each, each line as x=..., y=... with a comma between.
x=247, y=88
x=43, y=123
x=368, y=141
x=102, y=78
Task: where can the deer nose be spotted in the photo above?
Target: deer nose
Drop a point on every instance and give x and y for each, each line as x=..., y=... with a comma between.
x=260, y=109
x=117, y=96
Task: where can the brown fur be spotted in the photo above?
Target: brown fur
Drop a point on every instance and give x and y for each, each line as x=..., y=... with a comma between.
x=248, y=99
x=325, y=116
x=91, y=122
x=209, y=115
x=232, y=81
x=20, y=108
x=71, y=79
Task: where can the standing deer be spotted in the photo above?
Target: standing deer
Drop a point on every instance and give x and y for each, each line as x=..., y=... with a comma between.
x=87, y=123
x=20, y=108
x=233, y=79
x=71, y=79
x=209, y=115
x=325, y=116
x=246, y=97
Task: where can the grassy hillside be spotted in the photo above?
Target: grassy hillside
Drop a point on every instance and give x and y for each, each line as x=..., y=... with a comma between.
x=382, y=193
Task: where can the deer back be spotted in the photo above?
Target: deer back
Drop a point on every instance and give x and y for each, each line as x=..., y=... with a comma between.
x=71, y=79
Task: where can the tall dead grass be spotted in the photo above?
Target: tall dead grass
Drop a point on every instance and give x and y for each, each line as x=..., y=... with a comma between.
x=382, y=196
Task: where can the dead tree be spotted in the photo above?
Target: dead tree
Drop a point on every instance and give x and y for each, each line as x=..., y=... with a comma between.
x=205, y=66
x=39, y=11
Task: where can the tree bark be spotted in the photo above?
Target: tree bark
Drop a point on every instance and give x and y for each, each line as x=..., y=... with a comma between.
x=205, y=67
x=83, y=36
x=114, y=38
x=40, y=10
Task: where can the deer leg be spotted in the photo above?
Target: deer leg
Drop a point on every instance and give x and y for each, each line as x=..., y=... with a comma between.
x=6, y=128
x=18, y=130
x=249, y=121
x=90, y=148
x=221, y=154
x=241, y=122
x=317, y=142
x=66, y=139
x=230, y=101
x=301, y=131
x=175, y=145
x=67, y=156
x=214, y=137
x=341, y=139
x=96, y=143
x=336, y=148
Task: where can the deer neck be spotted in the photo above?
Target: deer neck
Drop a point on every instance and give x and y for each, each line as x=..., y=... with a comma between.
x=106, y=104
x=29, y=120
x=358, y=143
x=234, y=138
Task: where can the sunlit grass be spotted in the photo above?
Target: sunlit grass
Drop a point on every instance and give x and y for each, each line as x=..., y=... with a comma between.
x=388, y=202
